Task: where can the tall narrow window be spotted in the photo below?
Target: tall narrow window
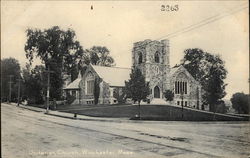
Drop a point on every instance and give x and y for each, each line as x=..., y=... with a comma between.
x=157, y=58
x=179, y=91
x=175, y=87
x=181, y=87
x=139, y=58
x=183, y=84
x=90, y=84
x=185, y=87
x=90, y=87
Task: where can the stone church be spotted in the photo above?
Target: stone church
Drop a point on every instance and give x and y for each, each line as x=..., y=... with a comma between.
x=152, y=58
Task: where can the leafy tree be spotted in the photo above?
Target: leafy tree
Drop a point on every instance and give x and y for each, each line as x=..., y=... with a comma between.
x=70, y=98
x=210, y=71
x=98, y=55
x=9, y=67
x=221, y=107
x=119, y=95
x=169, y=95
x=58, y=49
x=241, y=102
x=215, y=87
x=35, y=83
x=136, y=87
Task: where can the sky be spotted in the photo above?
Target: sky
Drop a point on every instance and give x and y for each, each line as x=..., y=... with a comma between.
x=118, y=24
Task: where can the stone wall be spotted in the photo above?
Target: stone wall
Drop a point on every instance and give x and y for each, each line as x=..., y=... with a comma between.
x=193, y=95
x=155, y=73
x=106, y=92
x=84, y=98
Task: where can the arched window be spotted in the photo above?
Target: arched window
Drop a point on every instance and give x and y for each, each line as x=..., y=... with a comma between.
x=139, y=57
x=181, y=84
x=157, y=58
x=90, y=83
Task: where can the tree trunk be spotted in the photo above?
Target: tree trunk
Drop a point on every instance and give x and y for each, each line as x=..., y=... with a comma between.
x=211, y=107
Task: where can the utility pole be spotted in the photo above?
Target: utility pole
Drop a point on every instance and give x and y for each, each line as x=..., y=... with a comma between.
x=10, y=82
x=18, y=99
x=139, y=110
x=48, y=87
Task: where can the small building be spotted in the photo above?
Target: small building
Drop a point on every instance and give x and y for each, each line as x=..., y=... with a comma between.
x=73, y=90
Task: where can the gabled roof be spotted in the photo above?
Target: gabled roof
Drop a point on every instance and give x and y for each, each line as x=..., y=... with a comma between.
x=75, y=83
x=115, y=76
x=181, y=68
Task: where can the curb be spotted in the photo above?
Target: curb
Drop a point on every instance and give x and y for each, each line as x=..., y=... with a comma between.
x=30, y=109
x=68, y=117
x=85, y=119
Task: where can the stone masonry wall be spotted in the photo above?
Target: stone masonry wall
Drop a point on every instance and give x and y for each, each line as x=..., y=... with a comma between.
x=193, y=89
x=155, y=73
x=84, y=98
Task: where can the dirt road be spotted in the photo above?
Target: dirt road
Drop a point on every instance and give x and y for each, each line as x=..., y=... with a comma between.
x=33, y=134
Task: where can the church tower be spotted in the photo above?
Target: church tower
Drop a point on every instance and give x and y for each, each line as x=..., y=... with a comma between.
x=152, y=58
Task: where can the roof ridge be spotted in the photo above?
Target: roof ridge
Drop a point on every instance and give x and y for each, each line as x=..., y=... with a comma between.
x=112, y=67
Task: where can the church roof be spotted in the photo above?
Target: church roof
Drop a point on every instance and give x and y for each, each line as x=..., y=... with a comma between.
x=74, y=84
x=115, y=76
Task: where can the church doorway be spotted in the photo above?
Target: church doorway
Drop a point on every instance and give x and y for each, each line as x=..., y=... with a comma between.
x=156, y=92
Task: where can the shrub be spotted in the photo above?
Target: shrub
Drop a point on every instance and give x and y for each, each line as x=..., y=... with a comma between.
x=70, y=99
x=169, y=95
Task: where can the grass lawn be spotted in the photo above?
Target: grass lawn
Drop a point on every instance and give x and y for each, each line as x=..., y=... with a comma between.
x=102, y=110
x=148, y=112
x=121, y=110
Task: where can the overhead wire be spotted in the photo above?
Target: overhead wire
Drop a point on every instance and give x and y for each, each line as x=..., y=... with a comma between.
x=209, y=21
x=199, y=24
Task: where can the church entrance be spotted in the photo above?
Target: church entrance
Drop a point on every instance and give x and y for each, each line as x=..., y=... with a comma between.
x=156, y=92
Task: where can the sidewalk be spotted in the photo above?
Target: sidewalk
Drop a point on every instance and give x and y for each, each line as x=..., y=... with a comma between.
x=70, y=115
